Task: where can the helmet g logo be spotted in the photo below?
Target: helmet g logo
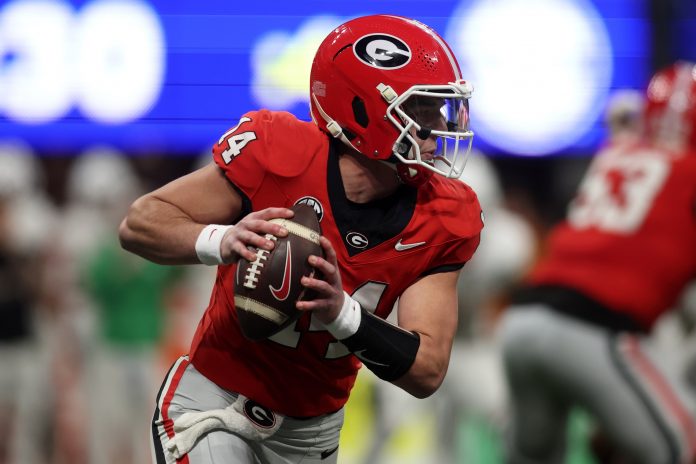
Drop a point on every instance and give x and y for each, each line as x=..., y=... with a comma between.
x=382, y=51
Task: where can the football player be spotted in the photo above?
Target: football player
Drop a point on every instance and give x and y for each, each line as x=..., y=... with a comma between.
x=379, y=164
x=576, y=334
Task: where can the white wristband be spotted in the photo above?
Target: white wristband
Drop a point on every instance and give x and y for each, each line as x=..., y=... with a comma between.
x=348, y=320
x=208, y=244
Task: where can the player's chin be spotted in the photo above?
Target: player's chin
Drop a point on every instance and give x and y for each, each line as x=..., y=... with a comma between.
x=428, y=157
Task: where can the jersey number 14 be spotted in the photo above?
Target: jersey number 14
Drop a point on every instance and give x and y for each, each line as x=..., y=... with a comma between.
x=236, y=142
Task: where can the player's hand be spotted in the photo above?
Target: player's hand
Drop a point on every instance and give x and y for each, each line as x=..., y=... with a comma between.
x=329, y=290
x=251, y=231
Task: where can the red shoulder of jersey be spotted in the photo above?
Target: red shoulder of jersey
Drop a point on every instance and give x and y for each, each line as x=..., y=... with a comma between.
x=267, y=143
x=452, y=211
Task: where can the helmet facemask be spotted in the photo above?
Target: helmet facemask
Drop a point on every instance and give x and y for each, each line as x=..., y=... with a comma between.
x=433, y=125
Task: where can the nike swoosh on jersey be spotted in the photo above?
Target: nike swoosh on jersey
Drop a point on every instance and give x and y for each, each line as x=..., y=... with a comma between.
x=362, y=357
x=282, y=293
x=407, y=246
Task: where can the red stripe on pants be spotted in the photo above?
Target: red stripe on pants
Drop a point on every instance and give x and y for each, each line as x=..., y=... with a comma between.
x=168, y=395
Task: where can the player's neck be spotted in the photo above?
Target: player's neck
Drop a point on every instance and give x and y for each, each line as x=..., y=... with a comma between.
x=364, y=179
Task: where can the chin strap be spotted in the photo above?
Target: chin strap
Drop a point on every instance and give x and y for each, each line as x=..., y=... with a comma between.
x=413, y=175
x=408, y=174
x=332, y=126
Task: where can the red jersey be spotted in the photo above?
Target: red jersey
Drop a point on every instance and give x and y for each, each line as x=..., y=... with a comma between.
x=629, y=241
x=383, y=247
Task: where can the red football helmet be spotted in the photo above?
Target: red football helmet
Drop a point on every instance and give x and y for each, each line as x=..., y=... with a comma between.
x=670, y=110
x=390, y=88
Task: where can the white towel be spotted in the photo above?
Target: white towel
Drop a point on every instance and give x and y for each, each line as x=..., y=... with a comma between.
x=190, y=426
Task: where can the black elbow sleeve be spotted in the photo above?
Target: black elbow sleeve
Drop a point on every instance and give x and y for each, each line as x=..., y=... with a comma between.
x=385, y=349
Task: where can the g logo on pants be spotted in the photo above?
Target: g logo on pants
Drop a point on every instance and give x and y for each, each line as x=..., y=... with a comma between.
x=259, y=415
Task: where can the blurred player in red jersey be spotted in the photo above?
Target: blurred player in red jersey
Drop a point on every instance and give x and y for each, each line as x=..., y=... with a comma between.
x=577, y=332
x=388, y=102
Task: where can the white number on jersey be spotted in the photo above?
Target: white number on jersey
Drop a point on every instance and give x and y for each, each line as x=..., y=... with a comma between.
x=368, y=295
x=236, y=142
x=618, y=191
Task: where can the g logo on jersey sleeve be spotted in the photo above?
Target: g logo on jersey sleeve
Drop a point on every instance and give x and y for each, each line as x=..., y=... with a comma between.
x=382, y=51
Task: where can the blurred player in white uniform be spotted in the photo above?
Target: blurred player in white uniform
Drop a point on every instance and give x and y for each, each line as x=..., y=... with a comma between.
x=118, y=307
x=475, y=387
x=26, y=220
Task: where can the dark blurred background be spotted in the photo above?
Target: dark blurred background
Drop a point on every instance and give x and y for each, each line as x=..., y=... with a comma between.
x=159, y=81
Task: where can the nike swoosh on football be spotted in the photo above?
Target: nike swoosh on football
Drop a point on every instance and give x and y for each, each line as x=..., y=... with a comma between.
x=282, y=293
x=361, y=357
x=407, y=246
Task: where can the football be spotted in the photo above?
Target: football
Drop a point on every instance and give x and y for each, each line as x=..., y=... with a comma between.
x=266, y=290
